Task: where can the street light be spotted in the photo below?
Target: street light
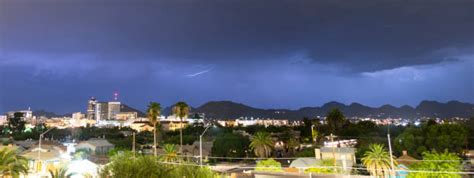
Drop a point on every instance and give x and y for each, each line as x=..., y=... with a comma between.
x=39, y=144
x=200, y=145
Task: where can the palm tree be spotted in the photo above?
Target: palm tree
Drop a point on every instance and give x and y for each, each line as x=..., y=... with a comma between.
x=11, y=164
x=170, y=153
x=377, y=161
x=60, y=172
x=153, y=112
x=181, y=110
x=335, y=119
x=262, y=144
x=292, y=144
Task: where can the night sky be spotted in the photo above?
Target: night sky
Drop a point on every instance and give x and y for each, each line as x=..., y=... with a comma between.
x=54, y=55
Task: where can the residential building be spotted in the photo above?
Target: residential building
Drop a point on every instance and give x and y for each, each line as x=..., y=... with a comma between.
x=406, y=159
x=95, y=146
x=43, y=159
x=173, y=125
x=141, y=126
x=345, y=156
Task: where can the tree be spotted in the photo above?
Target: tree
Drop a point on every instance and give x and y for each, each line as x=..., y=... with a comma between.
x=16, y=124
x=446, y=136
x=417, y=140
x=60, y=172
x=11, y=164
x=181, y=110
x=170, y=153
x=123, y=165
x=335, y=119
x=324, y=167
x=262, y=144
x=269, y=165
x=230, y=145
x=153, y=112
x=436, y=164
x=377, y=161
x=292, y=144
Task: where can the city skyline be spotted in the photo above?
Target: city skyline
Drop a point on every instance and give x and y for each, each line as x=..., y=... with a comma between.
x=56, y=55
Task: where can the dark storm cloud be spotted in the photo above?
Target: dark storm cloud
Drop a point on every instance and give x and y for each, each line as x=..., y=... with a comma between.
x=362, y=35
x=273, y=53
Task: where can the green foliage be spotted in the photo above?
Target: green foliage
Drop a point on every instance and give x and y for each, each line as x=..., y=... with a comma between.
x=230, y=145
x=335, y=120
x=81, y=154
x=292, y=144
x=60, y=172
x=12, y=164
x=181, y=110
x=434, y=163
x=153, y=112
x=432, y=137
x=187, y=139
x=269, y=165
x=469, y=125
x=307, y=152
x=325, y=167
x=262, y=144
x=446, y=136
x=171, y=153
x=16, y=124
x=124, y=165
x=377, y=160
x=115, y=151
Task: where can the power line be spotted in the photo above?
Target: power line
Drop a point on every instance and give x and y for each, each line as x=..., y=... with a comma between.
x=329, y=167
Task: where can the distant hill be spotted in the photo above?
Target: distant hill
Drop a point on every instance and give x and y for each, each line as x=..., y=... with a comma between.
x=228, y=109
x=126, y=108
x=48, y=114
x=232, y=110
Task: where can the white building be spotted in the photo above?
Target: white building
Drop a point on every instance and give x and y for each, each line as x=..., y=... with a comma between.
x=26, y=114
x=78, y=115
x=173, y=118
x=3, y=119
x=95, y=146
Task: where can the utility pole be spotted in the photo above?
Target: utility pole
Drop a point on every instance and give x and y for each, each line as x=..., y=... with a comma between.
x=200, y=145
x=331, y=137
x=390, y=150
x=133, y=147
x=39, y=144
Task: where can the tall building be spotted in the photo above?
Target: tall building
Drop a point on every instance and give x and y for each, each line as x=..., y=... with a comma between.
x=91, y=108
x=112, y=110
x=101, y=111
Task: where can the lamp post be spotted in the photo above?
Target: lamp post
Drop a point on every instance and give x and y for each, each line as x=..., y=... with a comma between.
x=200, y=145
x=39, y=143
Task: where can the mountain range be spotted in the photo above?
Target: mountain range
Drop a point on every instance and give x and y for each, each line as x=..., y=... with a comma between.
x=232, y=110
x=434, y=109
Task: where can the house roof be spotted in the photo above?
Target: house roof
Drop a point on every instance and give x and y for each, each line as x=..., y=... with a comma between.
x=338, y=150
x=97, y=142
x=48, y=153
x=406, y=160
x=304, y=162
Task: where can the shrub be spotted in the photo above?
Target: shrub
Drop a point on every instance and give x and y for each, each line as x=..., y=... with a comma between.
x=269, y=165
